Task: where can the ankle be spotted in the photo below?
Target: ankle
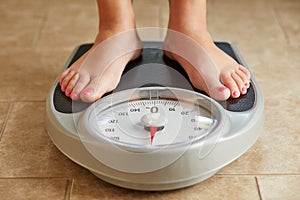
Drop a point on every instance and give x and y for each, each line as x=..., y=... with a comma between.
x=117, y=24
x=121, y=21
x=198, y=33
x=108, y=29
x=121, y=35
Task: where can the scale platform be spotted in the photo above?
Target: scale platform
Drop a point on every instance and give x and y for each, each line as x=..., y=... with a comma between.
x=234, y=125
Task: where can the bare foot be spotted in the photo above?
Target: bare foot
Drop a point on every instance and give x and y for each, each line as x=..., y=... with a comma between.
x=99, y=70
x=189, y=43
x=208, y=67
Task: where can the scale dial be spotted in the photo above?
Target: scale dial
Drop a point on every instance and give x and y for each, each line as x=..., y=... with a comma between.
x=170, y=121
x=142, y=122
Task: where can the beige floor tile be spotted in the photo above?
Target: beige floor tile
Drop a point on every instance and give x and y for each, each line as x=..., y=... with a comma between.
x=26, y=7
x=25, y=189
x=26, y=149
x=243, y=21
x=19, y=29
x=68, y=24
x=288, y=14
x=251, y=26
x=47, y=24
x=28, y=75
x=271, y=59
x=254, y=28
x=279, y=187
x=214, y=188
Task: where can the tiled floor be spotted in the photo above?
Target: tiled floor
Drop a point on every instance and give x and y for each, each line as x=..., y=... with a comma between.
x=37, y=38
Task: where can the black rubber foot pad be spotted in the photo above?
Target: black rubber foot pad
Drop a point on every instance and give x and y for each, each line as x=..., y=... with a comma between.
x=152, y=75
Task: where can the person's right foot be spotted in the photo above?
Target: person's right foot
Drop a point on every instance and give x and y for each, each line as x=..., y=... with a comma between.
x=99, y=70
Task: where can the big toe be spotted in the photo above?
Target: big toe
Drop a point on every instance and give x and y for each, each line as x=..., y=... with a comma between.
x=81, y=83
x=92, y=92
x=216, y=90
x=89, y=95
x=220, y=93
x=97, y=88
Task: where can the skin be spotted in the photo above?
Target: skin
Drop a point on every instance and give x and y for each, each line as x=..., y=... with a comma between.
x=99, y=70
x=211, y=70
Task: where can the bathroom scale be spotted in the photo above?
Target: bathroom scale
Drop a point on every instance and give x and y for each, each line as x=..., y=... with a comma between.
x=155, y=131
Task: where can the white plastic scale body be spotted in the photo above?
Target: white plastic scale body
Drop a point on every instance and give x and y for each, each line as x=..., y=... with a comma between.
x=155, y=133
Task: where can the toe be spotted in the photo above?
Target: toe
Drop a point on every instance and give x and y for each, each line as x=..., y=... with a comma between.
x=217, y=90
x=93, y=91
x=220, y=93
x=244, y=85
x=63, y=75
x=71, y=84
x=65, y=81
x=99, y=86
x=82, y=82
x=244, y=75
x=230, y=83
x=239, y=82
x=245, y=81
x=245, y=71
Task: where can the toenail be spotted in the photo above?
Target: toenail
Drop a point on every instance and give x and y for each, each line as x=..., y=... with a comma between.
x=243, y=89
x=87, y=92
x=63, y=88
x=221, y=89
x=68, y=92
x=247, y=84
x=74, y=96
x=235, y=93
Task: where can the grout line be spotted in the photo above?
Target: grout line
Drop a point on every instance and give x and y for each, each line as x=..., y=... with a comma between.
x=36, y=39
x=6, y=119
x=258, y=188
x=69, y=188
x=278, y=21
x=279, y=174
x=24, y=101
x=32, y=177
x=217, y=175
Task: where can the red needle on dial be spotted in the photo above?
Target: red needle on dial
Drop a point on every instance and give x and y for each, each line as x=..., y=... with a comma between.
x=153, y=130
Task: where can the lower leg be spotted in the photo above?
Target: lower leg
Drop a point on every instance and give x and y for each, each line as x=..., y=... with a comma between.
x=98, y=71
x=187, y=14
x=115, y=16
x=210, y=69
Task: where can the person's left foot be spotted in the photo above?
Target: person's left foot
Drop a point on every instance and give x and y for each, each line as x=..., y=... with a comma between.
x=209, y=68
